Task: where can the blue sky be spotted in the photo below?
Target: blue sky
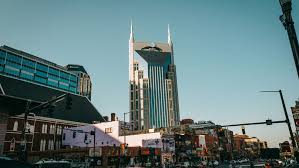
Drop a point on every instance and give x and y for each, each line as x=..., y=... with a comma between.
x=225, y=52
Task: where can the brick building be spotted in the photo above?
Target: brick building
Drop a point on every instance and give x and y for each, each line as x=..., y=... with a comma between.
x=42, y=134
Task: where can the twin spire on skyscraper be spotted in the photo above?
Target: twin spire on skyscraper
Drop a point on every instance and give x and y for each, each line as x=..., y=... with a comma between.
x=168, y=31
x=132, y=33
x=169, y=36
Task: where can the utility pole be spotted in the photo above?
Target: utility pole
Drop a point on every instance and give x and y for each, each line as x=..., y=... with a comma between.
x=287, y=120
x=288, y=23
x=22, y=149
x=287, y=117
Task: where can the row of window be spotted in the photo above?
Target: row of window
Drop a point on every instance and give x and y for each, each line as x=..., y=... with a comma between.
x=42, y=146
x=30, y=70
x=26, y=74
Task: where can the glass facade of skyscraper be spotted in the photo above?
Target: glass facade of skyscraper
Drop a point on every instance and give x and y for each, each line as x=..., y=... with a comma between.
x=153, y=85
x=36, y=70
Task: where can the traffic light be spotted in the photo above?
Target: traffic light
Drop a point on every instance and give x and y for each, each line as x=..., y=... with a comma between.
x=69, y=103
x=243, y=130
x=269, y=122
x=92, y=132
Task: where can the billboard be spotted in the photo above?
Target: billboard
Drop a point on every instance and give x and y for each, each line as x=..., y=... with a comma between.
x=166, y=144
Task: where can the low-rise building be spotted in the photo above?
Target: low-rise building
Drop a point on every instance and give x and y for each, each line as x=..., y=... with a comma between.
x=43, y=134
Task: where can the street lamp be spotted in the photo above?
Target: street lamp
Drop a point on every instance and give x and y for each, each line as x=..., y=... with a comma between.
x=287, y=21
x=286, y=115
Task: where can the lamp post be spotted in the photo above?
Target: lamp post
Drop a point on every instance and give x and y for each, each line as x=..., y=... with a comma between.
x=286, y=115
x=287, y=21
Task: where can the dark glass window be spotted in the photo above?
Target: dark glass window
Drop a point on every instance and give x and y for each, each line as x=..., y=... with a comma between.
x=53, y=77
x=42, y=67
x=28, y=69
x=40, y=80
x=2, y=54
x=53, y=83
x=64, y=75
x=64, y=80
x=1, y=68
x=132, y=96
x=53, y=71
x=26, y=75
x=13, y=64
x=63, y=86
x=1, y=61
x=41, y=73
x=28, y=63
x=73, y=89
x=74, y=84
x=132, y=87
x=14, y=58
x=11, y=71
x=73, y=78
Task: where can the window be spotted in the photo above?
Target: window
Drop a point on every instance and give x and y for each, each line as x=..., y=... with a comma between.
x=73, y=78
x=28, y=63
x=14, y=65
x=49, y=144
x=41, y=67
x=63, y=137
x=64, y=75
x=15, y=126
x=73, y=83
x=11, y=70
x=1, y=61
x=63, y=86
x=42, y=146
x=26, y=75
x=73, y=89
x=50, y=129
x=2, y=54
x=44, y=128
x=40, y=79
x=108, y=130
x=53, y=71
x=53, y=77
x=12, y=145
x=64, y=80
x=14, y=58
x=28, y=69
x=41, y=73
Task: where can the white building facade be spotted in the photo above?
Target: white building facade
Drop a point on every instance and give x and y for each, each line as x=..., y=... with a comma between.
x=106, y=134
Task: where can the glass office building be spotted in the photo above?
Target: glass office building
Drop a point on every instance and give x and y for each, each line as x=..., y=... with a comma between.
x=24, y=66
x=153, y=85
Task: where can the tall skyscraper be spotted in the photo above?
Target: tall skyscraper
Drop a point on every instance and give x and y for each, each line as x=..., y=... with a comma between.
x=153, y=85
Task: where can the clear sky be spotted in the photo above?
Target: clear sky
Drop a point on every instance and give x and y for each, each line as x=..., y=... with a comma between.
x=225, y=52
